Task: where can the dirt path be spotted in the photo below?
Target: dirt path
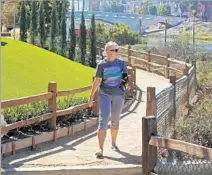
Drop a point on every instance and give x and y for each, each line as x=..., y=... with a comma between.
x=80, y=148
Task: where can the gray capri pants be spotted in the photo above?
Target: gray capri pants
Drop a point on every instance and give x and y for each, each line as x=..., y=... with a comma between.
x=110, y=108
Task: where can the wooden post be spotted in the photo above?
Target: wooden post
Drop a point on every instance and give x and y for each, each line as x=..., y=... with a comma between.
x=166, y=25
x=129, y=56
x=195, y=72
x=150, y=104
x=134, y=77
x=185, y=72
x=131, y=77
x=167, y=67
x=95, y=107
x=173, y=80
x=193, y=35
x=148, y=60
x=52, y=105
x=149, y=153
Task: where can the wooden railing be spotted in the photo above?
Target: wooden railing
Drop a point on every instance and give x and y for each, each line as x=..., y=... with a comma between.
x=51, y=97
x=150, y=144
x=161, y=65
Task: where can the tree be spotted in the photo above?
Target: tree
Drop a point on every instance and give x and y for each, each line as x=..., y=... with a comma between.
x=53, y=28
x=92, y=38
x=168, y=10
x=120, y=33
x=33, y=26
x=63, y=31
x=47, y=8
x=42, y=36
x=59, y=7
x=162, y=10
x=28, y=14
x=152, y=9
x=72, y=37
x=8, y=18
x=82, y=39
x=23, y=26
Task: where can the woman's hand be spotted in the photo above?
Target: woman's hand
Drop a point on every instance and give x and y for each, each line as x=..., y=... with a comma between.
x=90, y=102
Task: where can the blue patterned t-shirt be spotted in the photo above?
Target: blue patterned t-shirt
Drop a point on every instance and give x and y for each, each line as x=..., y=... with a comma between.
x=111, y=74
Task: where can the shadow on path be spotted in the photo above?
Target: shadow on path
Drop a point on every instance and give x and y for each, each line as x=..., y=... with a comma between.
x=51, y=148
x=127, y=158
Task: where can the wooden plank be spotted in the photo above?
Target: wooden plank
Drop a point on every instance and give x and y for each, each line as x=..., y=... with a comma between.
x=72, y=109
x=176, y=70
x=73, y=91
x=158, y=60
x=150, y=107
x=62, y=132
x=122, y=54
x=27, y=122
x=23, y=143
x=155, y=65
x=159, y=56
x=139, y=59
x=139, y=52
x=91, y=122
x=122, y=48
x=178, y=145
x=182, y=63
x=7, y=148
x=78, y=127
x=25, y=100
x=44, y=137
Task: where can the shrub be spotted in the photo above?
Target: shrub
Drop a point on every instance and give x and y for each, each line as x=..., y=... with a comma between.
x=120, y=33
x=23, y=112
x=197, y=127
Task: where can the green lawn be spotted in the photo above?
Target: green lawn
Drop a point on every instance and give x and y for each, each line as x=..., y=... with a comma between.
x=27, y=70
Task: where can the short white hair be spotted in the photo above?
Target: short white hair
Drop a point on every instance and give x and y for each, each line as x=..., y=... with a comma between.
x=107, y=45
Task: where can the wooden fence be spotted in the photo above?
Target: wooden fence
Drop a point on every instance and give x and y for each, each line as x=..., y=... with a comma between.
x=153, y=135
x=53, y=113
x=51, y=97
x=151, y=142
x=161, y=65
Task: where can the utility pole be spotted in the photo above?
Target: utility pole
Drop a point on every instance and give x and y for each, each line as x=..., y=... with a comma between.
x=193, y=35
x=193, y=29
x=83, y=5
x=166, y=24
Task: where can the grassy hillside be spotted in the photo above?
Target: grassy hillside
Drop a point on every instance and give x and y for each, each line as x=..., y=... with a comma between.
x=27, y=70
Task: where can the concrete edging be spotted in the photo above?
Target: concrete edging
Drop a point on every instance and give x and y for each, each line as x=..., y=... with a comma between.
x=77, y=170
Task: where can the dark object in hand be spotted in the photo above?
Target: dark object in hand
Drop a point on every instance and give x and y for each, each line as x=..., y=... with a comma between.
x=124, y=81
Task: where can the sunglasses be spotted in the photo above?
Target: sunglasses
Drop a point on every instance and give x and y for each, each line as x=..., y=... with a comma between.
x=114, y=50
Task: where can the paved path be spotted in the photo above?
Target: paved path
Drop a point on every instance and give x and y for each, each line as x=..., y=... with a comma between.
x=80, y=148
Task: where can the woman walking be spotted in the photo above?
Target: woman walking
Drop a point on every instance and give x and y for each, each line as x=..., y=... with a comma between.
x=111, y=76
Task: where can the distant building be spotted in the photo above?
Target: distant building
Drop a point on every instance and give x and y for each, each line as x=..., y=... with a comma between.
x=133, y=5
x=173, y=5
x=204, y=10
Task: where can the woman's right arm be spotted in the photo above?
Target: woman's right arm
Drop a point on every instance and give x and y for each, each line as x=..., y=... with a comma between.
x=96, y=83
x=95, y=86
